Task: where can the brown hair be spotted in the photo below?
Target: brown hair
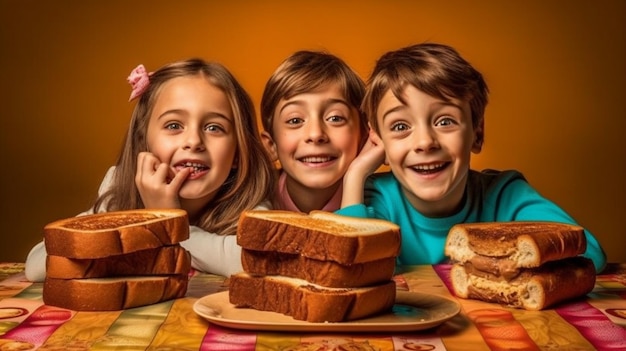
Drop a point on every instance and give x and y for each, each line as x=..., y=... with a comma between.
x=248, y=185
x=307, y=71
x=435, y=69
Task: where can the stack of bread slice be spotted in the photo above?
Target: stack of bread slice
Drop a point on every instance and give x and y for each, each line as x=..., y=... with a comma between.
x=116, y=260
x=316, y=267
x=529, y=265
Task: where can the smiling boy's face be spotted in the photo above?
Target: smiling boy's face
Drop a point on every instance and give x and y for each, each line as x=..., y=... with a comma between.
x=428, y=143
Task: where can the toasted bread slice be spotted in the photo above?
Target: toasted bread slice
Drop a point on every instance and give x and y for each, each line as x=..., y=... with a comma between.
x=112, y=294
x=319, y=235
x=532, y=289
x=324, y=273
x=522, y=244
x=165, y=260
x=303, y=300
x=115, y=233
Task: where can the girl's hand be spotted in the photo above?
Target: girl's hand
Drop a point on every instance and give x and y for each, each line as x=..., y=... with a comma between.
x=157, y=182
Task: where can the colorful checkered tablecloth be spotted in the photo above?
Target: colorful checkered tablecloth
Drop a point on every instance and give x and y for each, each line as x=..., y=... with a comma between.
x=595, y=322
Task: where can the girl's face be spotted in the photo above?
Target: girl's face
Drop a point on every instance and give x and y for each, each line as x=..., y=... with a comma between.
x=428, y=143
x=192, y=125
x=316, y=137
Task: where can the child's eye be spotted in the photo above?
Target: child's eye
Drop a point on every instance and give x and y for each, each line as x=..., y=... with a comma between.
x=399, y=127
x=214, y=128
x=295, y=120
x=445, y=121
x=336, y=119
x=173, y=125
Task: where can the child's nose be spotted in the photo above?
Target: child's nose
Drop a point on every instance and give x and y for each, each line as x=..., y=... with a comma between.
x=193, y=141
x=316, y=132
x=424, y=140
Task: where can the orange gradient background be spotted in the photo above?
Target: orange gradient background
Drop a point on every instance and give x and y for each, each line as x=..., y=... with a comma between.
x=556, y=70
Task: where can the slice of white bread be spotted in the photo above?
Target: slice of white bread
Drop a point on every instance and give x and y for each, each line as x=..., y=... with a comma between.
x=325, y=273
x=522, y=244
x=112, y=294
x=115, y=233
x=319, y=235
x=165, y=260
x=305, y=301
x=533, y=289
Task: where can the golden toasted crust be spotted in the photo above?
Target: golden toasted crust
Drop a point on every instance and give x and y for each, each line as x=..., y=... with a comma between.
x=527, y=244
x=304, y=301
x=111, y=294
x=320, y=235
x=166, y=260
x=325, y=273
x=115, y=233
x=533, y=288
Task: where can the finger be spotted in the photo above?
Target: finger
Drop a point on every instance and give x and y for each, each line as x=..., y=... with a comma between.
x=170, y=175
x=180, y=177
x=141, y=161
x=150, y=170
x=162, y=173
x=147, y=163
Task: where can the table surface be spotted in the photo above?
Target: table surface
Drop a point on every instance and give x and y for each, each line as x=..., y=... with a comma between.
x=595, y=322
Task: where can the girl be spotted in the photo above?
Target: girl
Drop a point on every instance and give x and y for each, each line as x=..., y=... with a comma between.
x=312, y=125
x=192, y=144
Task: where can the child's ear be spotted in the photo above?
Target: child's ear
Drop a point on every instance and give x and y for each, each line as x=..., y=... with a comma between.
x=479, y=137
x=270, y=145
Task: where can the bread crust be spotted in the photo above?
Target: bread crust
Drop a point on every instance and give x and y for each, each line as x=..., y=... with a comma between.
x=325, y=273
x=112, y=294
x=115, y=233
x=523, y=243
x=166, y=260
x=319, y=235
x=533, y=289
x=308, y=302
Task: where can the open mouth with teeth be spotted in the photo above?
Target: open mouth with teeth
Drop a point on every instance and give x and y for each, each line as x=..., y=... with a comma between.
x=196, y=167
x=430, y=168
x=316, y=159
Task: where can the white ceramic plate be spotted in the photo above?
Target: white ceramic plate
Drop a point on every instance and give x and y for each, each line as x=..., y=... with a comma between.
x=412, y=311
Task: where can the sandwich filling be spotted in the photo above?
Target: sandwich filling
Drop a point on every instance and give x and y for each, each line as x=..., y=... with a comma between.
x=493, y=267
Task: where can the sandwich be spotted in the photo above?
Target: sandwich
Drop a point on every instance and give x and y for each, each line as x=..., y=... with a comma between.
x=116, y=260
x=321, y=272
x=165, y=260
x=113, y=293
x=529, y=265
x=114, y=233
x=309, y=302
x=319, y=235
x=327, y=267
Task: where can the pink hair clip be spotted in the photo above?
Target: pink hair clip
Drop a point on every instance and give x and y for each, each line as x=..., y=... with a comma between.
x=139, y=79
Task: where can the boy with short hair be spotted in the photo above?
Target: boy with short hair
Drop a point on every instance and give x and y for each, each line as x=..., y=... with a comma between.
x=425, y=105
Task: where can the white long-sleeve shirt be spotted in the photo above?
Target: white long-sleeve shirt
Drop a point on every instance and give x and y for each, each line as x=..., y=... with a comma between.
x=210, y=252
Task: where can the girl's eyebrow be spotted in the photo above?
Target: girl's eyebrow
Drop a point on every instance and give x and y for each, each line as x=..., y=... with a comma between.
x=218, y=115
x=183, y=112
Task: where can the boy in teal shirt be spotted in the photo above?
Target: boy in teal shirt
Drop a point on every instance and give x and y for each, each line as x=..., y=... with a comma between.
x=425, y=106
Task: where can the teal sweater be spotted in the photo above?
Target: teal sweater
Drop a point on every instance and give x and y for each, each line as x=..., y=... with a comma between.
x=490, y=196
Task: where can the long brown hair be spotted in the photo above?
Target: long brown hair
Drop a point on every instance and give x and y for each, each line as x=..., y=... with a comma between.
x=435, y=69
x=249, y=184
